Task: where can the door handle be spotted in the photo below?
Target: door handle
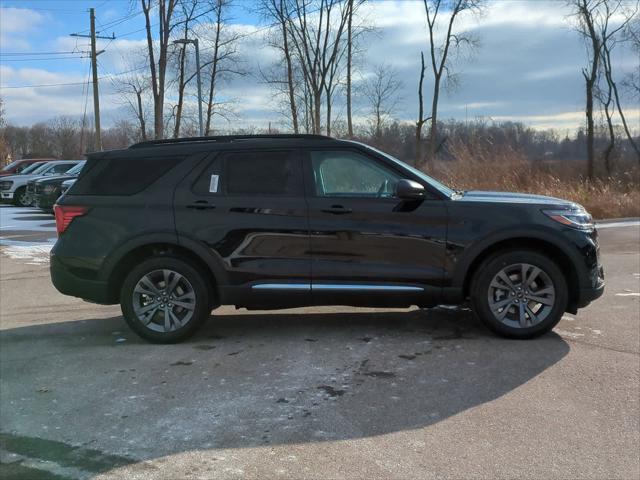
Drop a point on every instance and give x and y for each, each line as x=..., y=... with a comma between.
x=201, y=205
x=337, y=210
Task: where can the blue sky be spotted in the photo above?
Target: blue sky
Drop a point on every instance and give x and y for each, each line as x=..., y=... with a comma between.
x=527, y=67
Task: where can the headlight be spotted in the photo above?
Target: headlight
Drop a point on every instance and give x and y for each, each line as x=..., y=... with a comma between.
x=49, y=189
x=576, y=218
x=5, y=185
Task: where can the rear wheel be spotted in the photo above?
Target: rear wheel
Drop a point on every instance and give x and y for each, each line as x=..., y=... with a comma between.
x=165, y=299
x=519, y=293
x=21, y=198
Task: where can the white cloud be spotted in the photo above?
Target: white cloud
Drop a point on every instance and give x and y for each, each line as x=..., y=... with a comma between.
x=15, y=26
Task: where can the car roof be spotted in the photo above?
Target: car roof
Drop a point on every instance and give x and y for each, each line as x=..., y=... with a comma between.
x=191, y=145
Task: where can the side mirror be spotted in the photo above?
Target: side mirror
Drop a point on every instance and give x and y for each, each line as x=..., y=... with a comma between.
x=409, y=190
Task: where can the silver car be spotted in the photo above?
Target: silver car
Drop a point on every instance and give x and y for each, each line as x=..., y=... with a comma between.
x=13, y=189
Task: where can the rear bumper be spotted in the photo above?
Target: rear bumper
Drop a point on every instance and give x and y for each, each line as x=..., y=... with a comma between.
x=69, y=284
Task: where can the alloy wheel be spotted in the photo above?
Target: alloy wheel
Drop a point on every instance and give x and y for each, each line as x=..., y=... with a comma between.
x=164, y=300
x=24, y=199
x=521, y=295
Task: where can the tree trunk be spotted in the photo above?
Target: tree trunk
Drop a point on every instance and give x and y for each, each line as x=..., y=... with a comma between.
x=317, y=106
x=349, y=60
x=433, y=134
x=181, y=87
x=421, y=120
x=143, y=125
x=214, y=70
x=328, y=113
x=590, y=130
x=287, y=57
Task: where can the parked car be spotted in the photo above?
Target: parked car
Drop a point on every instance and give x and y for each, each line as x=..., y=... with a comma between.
x=13, y=189
x=171, y=229
x=18, y=166
x=45, y=191
x=66, y=185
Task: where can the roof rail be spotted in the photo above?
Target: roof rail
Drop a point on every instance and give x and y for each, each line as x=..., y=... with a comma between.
x=225, y=138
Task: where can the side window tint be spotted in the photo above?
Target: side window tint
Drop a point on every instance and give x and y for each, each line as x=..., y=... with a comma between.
x=208, y=183
x=262, y=173
x=61, y=168
x=350, y=174
x=122, y=176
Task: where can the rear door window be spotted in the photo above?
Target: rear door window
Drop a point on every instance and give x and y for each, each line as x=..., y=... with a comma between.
x=254, y=173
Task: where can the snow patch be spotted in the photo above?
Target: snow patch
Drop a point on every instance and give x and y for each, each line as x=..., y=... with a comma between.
x=31, y=254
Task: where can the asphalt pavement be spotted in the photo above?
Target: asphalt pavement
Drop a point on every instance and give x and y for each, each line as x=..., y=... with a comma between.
x=315, y=392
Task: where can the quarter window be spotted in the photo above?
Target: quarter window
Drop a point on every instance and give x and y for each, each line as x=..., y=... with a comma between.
x=350, y=174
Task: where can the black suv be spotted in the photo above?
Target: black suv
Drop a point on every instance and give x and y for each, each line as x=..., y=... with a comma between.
x=171, y=229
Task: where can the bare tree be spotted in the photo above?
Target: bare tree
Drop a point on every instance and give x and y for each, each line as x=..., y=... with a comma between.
x=4, y=147
x=349, y=65
x=381, y=91
x=165, y=10
x=586, y=10
x=220, y=59
x=609, y=41
x=631, y=81
x=133, y=89
x=279, y=11
x=317, y=36
x=421, y=118
x=189, y=17
x=440, y=53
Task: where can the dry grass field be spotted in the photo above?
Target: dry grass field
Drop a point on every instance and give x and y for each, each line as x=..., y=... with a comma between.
x=608, y=196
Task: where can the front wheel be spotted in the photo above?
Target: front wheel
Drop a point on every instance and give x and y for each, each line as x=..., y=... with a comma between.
x=519, y=293
x=21, y=198
x=165, y=299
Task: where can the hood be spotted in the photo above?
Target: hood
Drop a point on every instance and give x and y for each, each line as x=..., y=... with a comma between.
x=24, y=178
x=508, y=197
x=58, y=179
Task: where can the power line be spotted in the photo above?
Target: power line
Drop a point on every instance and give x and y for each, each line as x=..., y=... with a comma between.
x=43, y=59
x=43, y=85
x=2, y=54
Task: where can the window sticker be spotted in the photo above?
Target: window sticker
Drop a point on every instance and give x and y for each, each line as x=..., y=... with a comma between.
x=213, y=184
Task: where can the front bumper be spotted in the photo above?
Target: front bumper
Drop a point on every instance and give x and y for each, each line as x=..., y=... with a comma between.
x=588, y=295
x=6, y=196
x=45, y=202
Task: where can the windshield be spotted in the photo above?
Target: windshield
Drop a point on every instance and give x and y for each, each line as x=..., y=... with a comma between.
x=431, y=181
x=31, y=168
x=75, y=170
x=41, y=168
x=6, y=168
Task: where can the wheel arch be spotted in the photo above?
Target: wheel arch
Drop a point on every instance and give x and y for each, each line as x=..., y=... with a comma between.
x=540, y=245
x=140, y=251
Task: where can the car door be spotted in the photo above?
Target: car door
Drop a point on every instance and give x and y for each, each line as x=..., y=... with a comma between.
x=248, y=208
x=366, y=243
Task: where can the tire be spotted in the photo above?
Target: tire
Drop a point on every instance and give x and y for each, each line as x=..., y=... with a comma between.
x=185, y=283
x=20, y=198
x=513, y=308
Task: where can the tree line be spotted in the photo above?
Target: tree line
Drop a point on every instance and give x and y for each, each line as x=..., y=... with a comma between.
x=320, y=45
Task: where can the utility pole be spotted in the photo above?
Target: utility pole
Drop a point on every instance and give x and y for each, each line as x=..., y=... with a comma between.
x=94, y=73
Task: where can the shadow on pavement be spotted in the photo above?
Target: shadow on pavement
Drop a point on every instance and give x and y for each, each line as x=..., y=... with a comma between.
x=92, y=393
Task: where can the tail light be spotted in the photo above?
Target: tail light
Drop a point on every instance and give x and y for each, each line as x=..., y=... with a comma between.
x=65, y=215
